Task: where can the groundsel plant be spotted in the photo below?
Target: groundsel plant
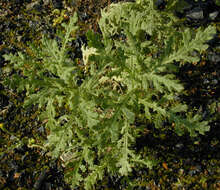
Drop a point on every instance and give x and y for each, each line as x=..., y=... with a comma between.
x=128, y=73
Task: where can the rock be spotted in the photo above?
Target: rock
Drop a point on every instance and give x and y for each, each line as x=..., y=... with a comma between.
x=12, y=137
x=33, y=5
x=214, y=82
x=213, y=15
x=179, y=145
x=195, y=14
x=214, y=57
x=46, y=2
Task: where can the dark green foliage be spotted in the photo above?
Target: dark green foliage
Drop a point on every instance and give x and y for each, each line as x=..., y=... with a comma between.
x=125, y=77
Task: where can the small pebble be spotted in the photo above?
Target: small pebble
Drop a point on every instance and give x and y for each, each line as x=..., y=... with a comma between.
x=195, y=14
x=213, y=15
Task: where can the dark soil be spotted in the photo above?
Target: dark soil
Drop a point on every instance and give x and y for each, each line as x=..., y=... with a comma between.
x=182, y=162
